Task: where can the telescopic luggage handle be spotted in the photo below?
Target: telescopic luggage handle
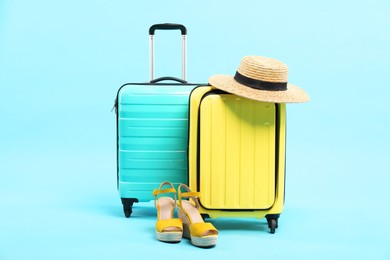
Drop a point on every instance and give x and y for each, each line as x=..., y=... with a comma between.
x=168, y=78
x=168, y=26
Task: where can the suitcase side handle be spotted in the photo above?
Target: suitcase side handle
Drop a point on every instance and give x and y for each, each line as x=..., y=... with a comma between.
x=168, y=78
x=168, y=26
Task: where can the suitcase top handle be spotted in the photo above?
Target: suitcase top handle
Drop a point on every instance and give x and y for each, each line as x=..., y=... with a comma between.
x=168, y=26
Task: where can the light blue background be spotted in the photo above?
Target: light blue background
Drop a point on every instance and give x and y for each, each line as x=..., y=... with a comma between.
x=61, y=63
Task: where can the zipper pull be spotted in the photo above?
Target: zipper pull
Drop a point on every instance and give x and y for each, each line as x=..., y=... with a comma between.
x=115, y=106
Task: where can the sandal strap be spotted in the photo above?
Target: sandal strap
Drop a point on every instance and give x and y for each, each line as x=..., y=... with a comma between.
x=188, y=194
x=159, y=191
x=202, y=228
x=166, y=223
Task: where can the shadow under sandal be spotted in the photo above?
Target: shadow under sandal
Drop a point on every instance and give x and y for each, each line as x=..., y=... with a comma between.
x=202, y=234
x=168, y=228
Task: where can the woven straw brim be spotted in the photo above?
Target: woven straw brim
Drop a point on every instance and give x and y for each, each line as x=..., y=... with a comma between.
x=293, y=94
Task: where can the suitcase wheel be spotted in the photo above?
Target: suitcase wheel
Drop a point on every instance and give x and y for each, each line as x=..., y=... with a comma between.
x=272, y=221
x=204, y=216
x=273, y=225
x=127, y=212
x=127, y=206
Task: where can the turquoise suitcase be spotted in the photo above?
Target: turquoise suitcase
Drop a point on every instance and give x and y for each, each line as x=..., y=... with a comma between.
x=152, y=132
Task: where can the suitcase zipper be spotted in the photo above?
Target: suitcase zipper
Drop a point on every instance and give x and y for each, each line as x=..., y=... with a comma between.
x=115, y=106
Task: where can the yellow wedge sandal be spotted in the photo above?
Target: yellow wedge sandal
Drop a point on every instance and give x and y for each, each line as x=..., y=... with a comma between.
x=168, y=228
x=201, y=234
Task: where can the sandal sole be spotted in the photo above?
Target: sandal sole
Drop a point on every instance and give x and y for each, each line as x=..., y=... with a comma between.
x=169, y=236
x=205, y=241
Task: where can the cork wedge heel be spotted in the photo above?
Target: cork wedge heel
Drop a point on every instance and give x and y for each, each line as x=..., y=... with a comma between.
x=202, y=234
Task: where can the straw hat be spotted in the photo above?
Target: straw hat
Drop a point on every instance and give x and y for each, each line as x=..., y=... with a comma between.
x=262, y=79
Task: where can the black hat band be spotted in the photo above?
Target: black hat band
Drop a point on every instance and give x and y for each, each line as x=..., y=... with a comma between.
x=259, y=84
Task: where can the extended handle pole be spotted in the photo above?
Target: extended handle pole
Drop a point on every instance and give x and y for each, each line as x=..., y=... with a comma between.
x=184, y=58
x=168, y=26
x=151, y=57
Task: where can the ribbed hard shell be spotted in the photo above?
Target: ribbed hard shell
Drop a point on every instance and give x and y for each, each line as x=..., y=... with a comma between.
x=237, y=153
x=251, y=186
x=152, y=138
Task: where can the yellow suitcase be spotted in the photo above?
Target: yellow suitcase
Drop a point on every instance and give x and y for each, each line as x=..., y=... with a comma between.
x=237, y=155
